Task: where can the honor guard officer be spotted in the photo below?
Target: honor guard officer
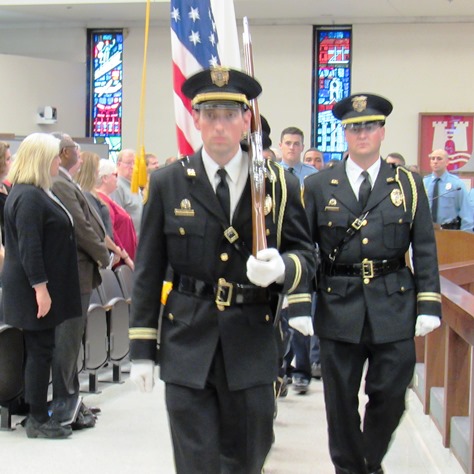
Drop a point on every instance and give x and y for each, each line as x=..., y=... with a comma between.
x=364, y=214
x=218, y=350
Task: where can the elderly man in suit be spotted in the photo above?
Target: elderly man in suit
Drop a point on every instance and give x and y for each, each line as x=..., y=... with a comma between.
x=219, y=355
x=92, y=254
x=364, y=215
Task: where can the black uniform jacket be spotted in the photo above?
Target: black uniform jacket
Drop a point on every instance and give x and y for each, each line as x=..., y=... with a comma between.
x=398, y=215
x=39, y=247
x=182, y=227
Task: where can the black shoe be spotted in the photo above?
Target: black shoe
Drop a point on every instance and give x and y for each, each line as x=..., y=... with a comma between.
x=316, y=370
x=65, y=409
x=51, y=429
x=85, y=419
x=300, y=385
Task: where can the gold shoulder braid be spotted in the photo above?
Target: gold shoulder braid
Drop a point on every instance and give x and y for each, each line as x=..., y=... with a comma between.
x=414, y=191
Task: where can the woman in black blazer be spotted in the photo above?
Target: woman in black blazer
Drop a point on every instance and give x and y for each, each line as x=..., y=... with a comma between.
x=40, y=276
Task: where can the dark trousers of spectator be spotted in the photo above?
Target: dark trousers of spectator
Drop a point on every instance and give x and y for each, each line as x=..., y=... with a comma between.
x=39, y=347
x=65, y=377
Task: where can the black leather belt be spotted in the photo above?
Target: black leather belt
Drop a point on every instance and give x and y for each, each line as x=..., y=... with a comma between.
x=224, y=293
x=365, y=269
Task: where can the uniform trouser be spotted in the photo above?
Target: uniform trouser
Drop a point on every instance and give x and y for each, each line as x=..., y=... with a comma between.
x=68, y=343
x=389, y=372
x=39, y=346
x=217, y=431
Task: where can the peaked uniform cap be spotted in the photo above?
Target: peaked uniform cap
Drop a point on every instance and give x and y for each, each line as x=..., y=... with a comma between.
x=221, y=84
x=362, y=107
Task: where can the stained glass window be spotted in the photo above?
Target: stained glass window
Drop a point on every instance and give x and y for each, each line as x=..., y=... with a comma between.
x=105, y=76
x=331, y=82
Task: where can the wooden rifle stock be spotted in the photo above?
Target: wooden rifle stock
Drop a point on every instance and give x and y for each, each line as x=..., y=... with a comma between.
x=257, y=162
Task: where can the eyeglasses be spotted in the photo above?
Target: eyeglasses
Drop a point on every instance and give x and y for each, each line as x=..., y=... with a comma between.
x=128, y=164
x=367, y=127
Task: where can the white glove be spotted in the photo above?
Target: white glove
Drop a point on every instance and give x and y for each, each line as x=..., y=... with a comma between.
x=142, y=373
x=425, y=324
x=303, y=324
x=267, y=268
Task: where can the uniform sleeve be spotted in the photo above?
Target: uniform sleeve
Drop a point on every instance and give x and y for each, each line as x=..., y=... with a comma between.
x=297, y=250
x=424, y=256
x=150, y=269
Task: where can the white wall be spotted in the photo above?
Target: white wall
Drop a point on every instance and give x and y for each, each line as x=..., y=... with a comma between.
x=420, y=67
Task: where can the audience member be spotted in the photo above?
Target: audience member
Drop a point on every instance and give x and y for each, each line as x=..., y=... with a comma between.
x=269, y=154
x=5, y=161
x=123, y=195
x=92, y=254
x=314, y=157
x=414, y=168
x=218, y=367
x=298, y=346
x=370, y=304
x=40, y=276
x=152, y=162
x=395, y=159
x=447, y=195
x=122, y=224
x=170, y=160
x=86, y=178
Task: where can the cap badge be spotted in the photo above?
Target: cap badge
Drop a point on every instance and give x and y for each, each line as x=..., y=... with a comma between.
x=359, y=103
x=220, y=76
x=334, y=182
x=396, y=197
x=332, y=202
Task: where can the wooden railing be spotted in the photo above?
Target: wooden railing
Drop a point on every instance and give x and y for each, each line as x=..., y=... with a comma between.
x=444, y=380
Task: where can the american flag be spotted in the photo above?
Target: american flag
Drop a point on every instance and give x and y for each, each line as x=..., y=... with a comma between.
x=203, y=34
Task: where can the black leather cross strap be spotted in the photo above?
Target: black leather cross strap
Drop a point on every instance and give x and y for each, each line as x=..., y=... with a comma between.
x=365, y=269
x=223, y=292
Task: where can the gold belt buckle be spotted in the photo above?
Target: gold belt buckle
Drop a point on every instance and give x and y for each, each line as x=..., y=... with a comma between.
x=223, y=294
x=367, y=268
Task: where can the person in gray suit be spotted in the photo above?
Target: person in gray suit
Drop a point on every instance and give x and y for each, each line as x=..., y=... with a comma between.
x=92, y=254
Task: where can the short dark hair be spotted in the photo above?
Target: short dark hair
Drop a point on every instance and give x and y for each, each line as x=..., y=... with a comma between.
x=292, y=131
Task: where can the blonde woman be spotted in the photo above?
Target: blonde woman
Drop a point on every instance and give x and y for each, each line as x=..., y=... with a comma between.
x=40, y=275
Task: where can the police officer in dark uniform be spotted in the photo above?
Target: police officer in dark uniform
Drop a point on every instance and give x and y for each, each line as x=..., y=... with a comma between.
x=364, y=214
x=218, y=351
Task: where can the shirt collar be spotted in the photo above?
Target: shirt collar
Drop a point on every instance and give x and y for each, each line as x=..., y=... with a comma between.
x=353, y=170
x=66, y=172
x=233, y=167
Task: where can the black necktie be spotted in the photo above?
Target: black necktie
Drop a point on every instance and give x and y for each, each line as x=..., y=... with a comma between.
x=291, y=170
x=434, y=200
x=364, y=190
x=222, y=192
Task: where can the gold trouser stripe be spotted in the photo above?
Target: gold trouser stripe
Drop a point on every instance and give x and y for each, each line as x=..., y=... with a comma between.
x=142, y=333
x=298, y=272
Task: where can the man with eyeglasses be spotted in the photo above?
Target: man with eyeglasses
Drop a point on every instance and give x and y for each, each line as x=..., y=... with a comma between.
x=364, y=214
x=449, y=201
x=218, y=350
x=123, y=196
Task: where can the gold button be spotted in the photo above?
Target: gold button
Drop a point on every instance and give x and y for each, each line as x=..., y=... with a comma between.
x=402, y=288
x=329, y=289
x=364, y=222
x=170, y=316
x=329, y=224
x=267, y=232
x=267, y=318
x=224, y=257
x=400, y=221
x=366, y=281
x=365, y=240
x=182, y=231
